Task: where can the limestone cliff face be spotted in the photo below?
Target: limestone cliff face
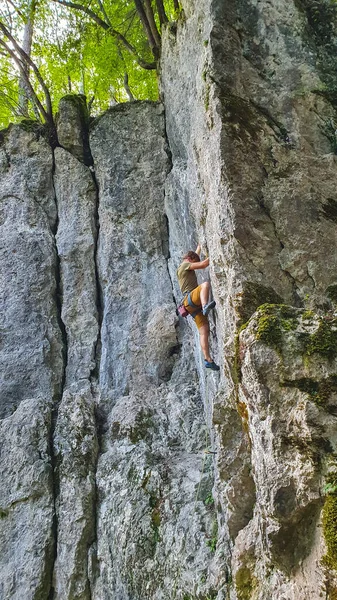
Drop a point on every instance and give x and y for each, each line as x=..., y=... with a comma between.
x=250, y=110
x=127, y=470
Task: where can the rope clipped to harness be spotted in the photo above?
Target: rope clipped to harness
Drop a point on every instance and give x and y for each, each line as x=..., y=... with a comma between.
x=182, y=310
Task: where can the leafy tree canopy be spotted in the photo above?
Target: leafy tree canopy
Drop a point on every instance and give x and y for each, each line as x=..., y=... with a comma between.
x=105, y=49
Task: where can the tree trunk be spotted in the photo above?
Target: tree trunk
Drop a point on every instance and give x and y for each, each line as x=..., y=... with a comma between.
x=144, y=20
x=152, y=22
x=24, y=93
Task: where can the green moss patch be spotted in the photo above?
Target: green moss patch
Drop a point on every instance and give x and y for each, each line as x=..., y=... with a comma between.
x=318, y=391
x=329, y=522
x=252, y=297
x=245, y=582
x=276, y=320
x=323, y=341
x=331, y=292
x=273, y=322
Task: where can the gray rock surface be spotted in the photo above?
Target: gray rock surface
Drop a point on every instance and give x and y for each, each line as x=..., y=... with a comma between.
x=27, y=534
x=76, y=243
x=152, y=479
x=128, y=146
x=127, y=470
x=73, y=127
x=31, y=362
x=248, y=116
x=289, y=396
x=75, y=436
x=75, y=447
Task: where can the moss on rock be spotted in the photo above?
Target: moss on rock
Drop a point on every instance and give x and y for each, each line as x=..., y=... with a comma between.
x=274, y=321
x=329, y=522
x=331, y=292
x=318, y=391
x=245, y=582
x=323, y=341
x=252, y=297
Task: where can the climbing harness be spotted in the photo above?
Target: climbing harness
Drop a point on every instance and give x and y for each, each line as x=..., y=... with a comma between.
x=182, y=310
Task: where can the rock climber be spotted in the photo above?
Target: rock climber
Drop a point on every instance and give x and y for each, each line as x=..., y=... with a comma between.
x=196, y=299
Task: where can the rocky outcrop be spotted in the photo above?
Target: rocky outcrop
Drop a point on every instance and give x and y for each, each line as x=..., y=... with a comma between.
x=127, y=470
x=150, y=516
x=248, y=91
x=129, y=483
x=27, y=531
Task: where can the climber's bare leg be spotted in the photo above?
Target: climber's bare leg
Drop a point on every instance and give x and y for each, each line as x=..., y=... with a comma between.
x=204, y=333
x=204, y=293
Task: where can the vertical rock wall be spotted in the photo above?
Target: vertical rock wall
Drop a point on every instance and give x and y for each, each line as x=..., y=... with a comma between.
x=31, y=356
x=250, y=108
x=127, y=471
x=103, y=442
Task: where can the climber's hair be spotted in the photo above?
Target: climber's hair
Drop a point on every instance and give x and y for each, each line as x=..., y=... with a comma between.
x=192, y=256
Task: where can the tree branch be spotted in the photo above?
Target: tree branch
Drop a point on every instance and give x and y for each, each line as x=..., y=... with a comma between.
x=24, y=56
x=161, y=12
x=30, y=88
x=152, y=22
x=119, y=36
x=147, y=28
x=16, y=9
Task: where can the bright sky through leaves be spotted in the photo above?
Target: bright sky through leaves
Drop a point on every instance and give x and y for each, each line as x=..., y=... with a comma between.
x=74, y=54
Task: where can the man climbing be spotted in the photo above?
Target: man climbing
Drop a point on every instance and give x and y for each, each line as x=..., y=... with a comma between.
x=196, y=299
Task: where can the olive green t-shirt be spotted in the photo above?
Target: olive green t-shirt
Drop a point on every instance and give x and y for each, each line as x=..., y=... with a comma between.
x=187, y=279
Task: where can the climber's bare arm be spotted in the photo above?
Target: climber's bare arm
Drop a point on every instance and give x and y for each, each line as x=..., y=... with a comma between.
x=198, y=250
x=199, y=265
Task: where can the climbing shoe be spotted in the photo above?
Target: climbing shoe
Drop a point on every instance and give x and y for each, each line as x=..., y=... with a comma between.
x=211, y=365
x=208, y=307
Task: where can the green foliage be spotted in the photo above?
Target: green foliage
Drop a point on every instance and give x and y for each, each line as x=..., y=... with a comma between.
x=330, y=488
x=209, y=500
x=212, y=542
x=74, y=54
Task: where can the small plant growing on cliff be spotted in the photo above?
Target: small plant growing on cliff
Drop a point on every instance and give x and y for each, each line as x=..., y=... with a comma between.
x=330, y=488
x=212, y=542
x=209, y=500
